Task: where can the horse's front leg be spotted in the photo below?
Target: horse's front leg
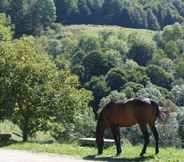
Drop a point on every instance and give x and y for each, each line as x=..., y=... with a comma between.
x=116, y=134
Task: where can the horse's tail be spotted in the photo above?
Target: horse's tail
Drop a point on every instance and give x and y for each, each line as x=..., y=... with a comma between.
x=156, y=106
x=161, y=114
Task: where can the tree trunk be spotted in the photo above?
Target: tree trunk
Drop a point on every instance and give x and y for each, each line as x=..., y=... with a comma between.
x=24, y=135
x=25, y=129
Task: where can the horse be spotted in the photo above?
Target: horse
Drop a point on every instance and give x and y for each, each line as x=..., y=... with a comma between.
x=141, y=111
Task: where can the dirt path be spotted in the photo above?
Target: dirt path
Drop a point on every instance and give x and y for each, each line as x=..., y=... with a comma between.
x=7, y=155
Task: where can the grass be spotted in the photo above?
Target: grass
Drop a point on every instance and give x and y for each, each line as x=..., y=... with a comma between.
x=130, y=153
x=122, y=32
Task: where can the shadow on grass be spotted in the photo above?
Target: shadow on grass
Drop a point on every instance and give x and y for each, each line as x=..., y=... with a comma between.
x=7, y=143
x=114, y=159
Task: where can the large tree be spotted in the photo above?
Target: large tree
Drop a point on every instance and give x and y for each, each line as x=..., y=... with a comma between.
x=33, y=92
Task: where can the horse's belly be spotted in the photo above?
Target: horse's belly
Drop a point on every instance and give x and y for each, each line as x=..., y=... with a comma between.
x=127, y=121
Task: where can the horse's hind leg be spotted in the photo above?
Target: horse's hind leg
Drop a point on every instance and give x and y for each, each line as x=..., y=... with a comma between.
x=144, y=130
x=116, y=134
x=156, y=136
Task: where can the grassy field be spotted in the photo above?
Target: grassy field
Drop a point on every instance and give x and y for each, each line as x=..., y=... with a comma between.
x=130, y=153
x=75, y=32
x=95, y=29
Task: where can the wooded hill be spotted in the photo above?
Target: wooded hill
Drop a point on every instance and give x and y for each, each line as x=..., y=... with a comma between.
x=30, y=16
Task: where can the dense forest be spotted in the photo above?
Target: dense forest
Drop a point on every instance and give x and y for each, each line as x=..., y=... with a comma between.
x=52, y=76
x=30, y=16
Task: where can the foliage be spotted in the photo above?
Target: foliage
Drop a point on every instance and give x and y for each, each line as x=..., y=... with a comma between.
x=159, y=76
x=141, y=52
x=180, y=69
x=99, y=87
x=113, y=96
x=30, y=17
x=178, y=95
x=33, y=91
x=98, y=63
x=5, y=28
x=112, y=62
x=138, y=14
x=116, y=78
x=151, y=91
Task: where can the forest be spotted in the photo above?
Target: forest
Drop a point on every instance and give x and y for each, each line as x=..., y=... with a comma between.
x=30, y=16
x=56, y=69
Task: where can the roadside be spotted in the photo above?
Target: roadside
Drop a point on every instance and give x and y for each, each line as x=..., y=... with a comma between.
x=8, y=155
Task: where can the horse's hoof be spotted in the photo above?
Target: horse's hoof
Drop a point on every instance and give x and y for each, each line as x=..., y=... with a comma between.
x=118, y=154
x=157, y=151
x=99, y=153
x=142, y=154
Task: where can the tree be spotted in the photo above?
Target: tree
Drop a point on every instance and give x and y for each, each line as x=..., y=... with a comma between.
x=31, y=16
x=84, y=12
x=152, y=20
x=137, y=17
x=98, y=63
x=100, y=89
x=151, y=91
x=171, y=49
x=43, y=13
x=141, y=52
x=178, y=95
x=66, y=10
x=34, y=92
x=131, y=88
x=18, y=10
x=116, y=79
x=179, y=68
x=113, y=96
x=4, y=4
x=5, y=28
x=135, y=73
x=89, y=44
x=137, y=14
x=26, y=84
x=159, y=76
x=96, y=11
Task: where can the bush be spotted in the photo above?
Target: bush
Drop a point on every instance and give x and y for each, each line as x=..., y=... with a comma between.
x=116, y=79
x=159, y=76
x=141, y=52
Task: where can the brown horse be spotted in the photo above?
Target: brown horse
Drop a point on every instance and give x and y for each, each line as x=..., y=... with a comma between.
x=114, y=115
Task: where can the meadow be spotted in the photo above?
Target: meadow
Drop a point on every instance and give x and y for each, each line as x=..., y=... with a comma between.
x=130, y=152
x=42, y=142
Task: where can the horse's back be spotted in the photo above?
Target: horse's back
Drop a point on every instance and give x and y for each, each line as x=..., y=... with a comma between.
x=131, y=112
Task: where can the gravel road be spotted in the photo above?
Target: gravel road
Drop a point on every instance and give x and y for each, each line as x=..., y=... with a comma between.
x=7, y=155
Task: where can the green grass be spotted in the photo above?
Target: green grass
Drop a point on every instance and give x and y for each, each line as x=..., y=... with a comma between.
x=122, y=32
x=130, y=153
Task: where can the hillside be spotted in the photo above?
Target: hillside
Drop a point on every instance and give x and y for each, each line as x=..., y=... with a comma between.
x=94, y=30
x=154, y=14
x=138, y=14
